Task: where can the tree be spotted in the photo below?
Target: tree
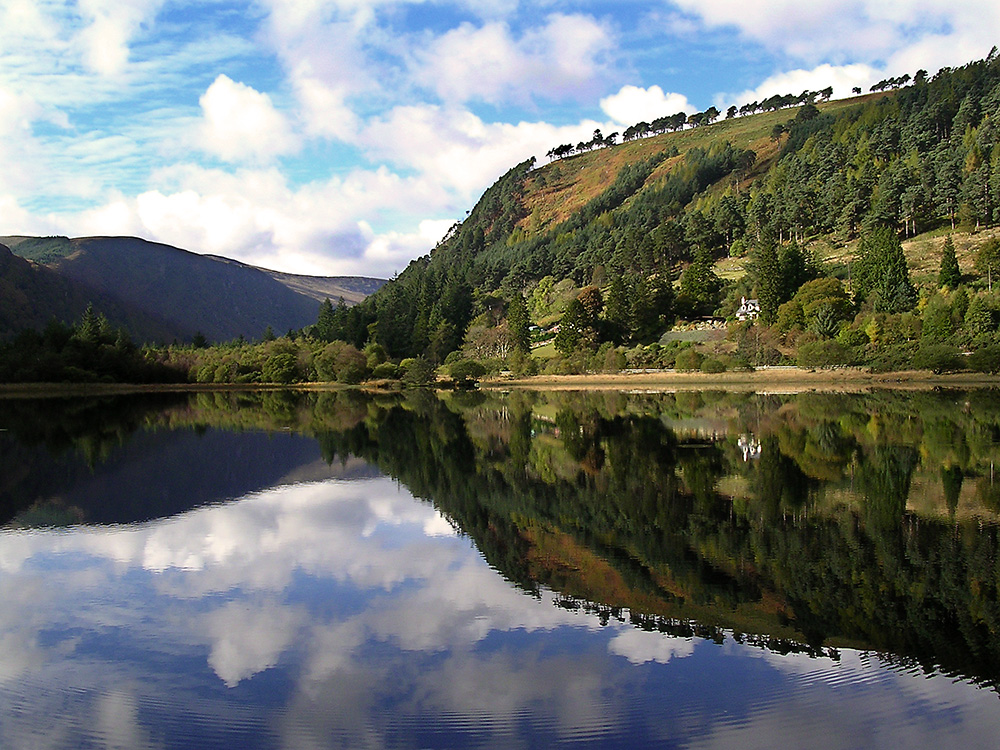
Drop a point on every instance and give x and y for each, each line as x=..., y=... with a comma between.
x=700, y=286
x=881, y=274
x=465, y=372
x=576, y=329
x=949, y=275
x=988, y=260
x=89, y=327
x=281, y=367
x=767, y=282
x=519, y=323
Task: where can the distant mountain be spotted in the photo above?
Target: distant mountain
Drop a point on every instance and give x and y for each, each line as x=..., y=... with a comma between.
x=31, y=295
x=158, y=292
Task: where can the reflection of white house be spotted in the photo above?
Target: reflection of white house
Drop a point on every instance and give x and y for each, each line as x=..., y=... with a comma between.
x=749, y=309
x=750, y=446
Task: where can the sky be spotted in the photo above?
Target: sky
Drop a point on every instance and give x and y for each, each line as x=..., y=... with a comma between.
x=344, y=137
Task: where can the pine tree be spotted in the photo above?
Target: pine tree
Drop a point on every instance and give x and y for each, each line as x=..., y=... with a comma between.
x=325, y=321
x=881, y=274
x=518, y=323
x=89, y=327
x=768, y=282
x=950, y=275
x=617, y=309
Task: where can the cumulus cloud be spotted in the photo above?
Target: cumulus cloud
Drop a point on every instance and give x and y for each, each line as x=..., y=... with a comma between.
x=560, y=59
x=640, y=646
x=456, y=148
x=256, y=216
x=241, y=124
x=112, y=24
x=841, y=78
x=634, y=104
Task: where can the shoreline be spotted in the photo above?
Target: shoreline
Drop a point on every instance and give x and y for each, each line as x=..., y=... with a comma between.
x=785, y=379
x=777, y=379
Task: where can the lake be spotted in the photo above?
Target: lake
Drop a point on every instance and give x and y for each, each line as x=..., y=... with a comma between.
x=511, y=570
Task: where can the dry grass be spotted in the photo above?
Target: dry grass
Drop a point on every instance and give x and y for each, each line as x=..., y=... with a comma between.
x=782, y=379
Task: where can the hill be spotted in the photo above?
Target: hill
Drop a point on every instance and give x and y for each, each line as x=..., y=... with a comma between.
x=31, y=295
x=689, y=215
x=159, y=293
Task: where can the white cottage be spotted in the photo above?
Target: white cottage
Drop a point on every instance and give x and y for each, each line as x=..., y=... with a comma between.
x=749, y=309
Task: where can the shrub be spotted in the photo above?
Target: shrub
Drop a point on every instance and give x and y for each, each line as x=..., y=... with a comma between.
x=938, y=358
x=711, y=364
x=465, y=372
x=385, y=370
x=825, y=353
x=986, y=359
x=417, y=371
x=688, y=359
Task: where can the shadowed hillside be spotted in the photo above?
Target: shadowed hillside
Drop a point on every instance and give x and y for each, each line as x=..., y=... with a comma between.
x=159, y=292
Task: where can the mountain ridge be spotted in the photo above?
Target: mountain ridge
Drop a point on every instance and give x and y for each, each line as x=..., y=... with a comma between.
x=158, y=292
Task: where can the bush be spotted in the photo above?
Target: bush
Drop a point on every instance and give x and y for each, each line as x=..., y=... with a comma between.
x=894, y=357
x=938, y=358
x=385, y=370
x=825, y=353
x=465, y=372
x=417, y=371
x=713, y=365
x=986, y=359
x=852, y=338
x=689, y=359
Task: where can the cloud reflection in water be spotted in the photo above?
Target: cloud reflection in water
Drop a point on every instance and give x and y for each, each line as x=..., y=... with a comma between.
x=348, y=613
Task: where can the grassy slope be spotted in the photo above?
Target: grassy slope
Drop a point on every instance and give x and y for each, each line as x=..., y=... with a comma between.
x=558, y=189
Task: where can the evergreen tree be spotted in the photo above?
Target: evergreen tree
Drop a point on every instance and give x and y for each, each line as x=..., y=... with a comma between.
x=518, y=323
x=571, y=328
x=89, y=328
x=700, y=286
x=795, y=269
x=950, y=275
x=617, y=310
x=768, y=282
x=325, y=322
x=881, y=275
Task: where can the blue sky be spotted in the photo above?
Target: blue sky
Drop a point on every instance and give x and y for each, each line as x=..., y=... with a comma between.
x=338, y=137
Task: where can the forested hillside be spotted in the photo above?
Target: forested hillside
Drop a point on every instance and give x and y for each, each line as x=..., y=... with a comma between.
x=805, y=208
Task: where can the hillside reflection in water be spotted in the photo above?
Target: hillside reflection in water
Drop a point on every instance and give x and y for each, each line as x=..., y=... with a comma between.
x=496, y=570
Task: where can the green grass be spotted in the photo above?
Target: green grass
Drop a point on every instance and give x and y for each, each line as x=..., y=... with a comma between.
x=39, y=249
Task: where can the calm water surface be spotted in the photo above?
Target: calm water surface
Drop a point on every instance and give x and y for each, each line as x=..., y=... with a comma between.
x=700, y=570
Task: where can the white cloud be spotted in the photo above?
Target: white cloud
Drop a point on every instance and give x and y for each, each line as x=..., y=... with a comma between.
x=457, y=149
x=250, y=637
x=560, y=59
x=872, y=31
x=255, y=216
x=113, y=23
x=633, y=104
x=640, y=646
x=841, y=78
x=241, y=123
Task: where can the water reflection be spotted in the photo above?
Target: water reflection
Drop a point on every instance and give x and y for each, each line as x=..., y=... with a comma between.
x=303, y=574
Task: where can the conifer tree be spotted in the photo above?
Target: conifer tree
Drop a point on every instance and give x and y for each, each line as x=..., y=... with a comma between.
x=325, y=321
x=882, y=276
x=518, y=323
x=768, y=282
x=950, y=275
